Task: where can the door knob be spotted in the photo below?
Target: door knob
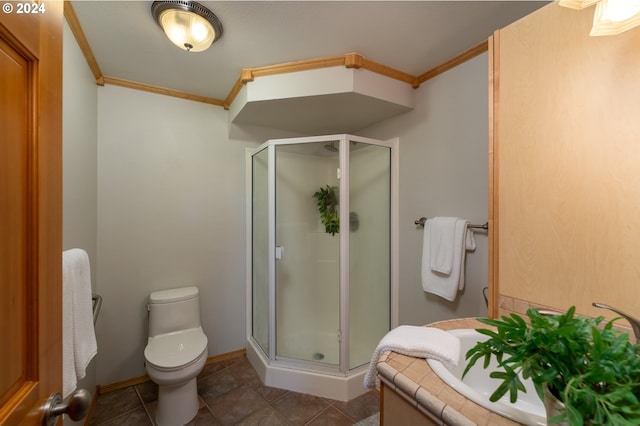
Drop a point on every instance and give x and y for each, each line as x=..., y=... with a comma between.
x=76, y=408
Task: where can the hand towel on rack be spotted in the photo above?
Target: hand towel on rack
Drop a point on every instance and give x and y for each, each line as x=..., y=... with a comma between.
x=79, y=344
x=442, y=284
x=441, y=244
x=415, y=341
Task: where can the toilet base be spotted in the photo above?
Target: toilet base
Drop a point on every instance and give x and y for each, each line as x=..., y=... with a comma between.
x=177, y=404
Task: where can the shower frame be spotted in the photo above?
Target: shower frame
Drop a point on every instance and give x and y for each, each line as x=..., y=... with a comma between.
x=342, y=383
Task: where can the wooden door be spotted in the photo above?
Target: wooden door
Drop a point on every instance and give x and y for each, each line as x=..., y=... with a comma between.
x=30, y=208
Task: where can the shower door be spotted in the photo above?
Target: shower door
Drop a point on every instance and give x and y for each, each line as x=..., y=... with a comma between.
x=322, y=209
x=260, y=299
x=307, y=290
x=369, y=242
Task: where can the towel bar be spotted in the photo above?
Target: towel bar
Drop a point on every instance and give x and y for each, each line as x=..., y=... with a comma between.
x=420, y=222
x=97, y=304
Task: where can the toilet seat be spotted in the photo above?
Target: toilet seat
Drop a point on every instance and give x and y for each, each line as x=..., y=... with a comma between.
x=174, y=351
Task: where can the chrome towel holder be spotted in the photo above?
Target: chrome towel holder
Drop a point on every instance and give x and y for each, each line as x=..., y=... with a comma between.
x=97, y=304
x=420, y=222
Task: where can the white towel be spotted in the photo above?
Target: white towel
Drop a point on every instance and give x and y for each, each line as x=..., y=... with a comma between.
x=419, y=342
x=446, y=285
x=79, y=344
x=441, y=244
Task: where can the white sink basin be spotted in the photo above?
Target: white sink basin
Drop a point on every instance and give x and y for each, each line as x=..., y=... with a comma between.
x=478, y=386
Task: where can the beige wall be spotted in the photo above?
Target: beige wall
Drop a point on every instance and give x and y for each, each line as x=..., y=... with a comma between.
x=170, y=214
x=443, y=172
x=567, y=200
x=80, y=158
x=79, y=151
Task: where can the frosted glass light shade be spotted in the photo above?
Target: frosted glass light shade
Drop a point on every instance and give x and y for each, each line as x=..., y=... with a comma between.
x=577, y=4
x=188, y=24
x=187, y=30
x=615, y=16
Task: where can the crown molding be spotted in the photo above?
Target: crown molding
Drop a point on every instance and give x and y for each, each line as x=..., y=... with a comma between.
x=349, y=60
x=115, y=81
x=78, y=33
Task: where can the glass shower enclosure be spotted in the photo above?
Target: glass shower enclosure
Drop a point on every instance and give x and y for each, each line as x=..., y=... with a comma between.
x=321, y=252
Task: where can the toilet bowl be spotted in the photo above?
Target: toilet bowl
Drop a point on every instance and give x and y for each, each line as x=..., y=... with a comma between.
x=175, y=354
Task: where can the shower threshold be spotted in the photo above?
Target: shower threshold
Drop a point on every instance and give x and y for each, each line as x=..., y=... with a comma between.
x=323, y=383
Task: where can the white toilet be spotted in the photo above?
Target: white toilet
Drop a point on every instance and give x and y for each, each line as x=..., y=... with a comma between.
x=175, y=354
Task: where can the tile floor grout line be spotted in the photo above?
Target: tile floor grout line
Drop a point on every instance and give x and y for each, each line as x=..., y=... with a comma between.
x=125, y=413
x=269, y=403
x=317, y=415
x=346, y=415
x=206, y=405
x=144, y=406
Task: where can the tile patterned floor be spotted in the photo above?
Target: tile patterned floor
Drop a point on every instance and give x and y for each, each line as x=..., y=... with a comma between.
x=231, y=393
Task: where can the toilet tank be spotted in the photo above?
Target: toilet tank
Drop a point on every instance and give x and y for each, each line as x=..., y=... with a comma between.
x=173, y=310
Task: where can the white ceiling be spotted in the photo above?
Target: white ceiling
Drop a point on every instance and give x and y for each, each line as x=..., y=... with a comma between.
x=411, y=36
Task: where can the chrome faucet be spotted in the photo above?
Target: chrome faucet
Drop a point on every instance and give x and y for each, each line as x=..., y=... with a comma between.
x=635, y=323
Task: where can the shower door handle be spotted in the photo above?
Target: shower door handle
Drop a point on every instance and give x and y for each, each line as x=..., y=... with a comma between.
x=279, y=252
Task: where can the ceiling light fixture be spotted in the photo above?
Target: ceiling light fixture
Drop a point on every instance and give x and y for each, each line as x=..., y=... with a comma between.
x=189, y=25
x=615, y=16
x=611, y=16
x=577, y=4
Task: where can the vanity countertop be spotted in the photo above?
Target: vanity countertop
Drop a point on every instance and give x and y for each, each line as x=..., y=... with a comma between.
x=413, y=379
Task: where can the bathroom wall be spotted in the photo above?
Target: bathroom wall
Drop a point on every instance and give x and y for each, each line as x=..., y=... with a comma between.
x=170, y=214
x=79, y=150
x=443, y=172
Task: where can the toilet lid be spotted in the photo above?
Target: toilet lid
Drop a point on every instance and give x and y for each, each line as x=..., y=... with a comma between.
x=174, y=350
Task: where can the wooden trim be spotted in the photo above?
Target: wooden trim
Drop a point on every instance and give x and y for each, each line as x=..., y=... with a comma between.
x=94, y=399
x=389, y=72
x=382, y=401
x=234, y=92
x=454, y=62
x=78, y=33
x=48, y=113
x=349, y=60
x=297, y=66
x=100, y=390
x=161, y=90
x=249, y=74
x=353, y=60
x=494, y=107
x=226, y=356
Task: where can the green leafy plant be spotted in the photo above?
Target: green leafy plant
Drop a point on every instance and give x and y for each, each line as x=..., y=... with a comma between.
x=592, y=369
x=327, y=201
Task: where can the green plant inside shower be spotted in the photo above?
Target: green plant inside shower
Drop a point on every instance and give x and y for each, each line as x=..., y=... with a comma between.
x=327, y=202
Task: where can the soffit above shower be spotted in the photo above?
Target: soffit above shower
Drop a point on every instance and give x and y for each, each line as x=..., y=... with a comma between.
x=321, y=101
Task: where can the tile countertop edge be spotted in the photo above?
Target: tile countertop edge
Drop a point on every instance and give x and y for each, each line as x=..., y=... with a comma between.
x=415, y=381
